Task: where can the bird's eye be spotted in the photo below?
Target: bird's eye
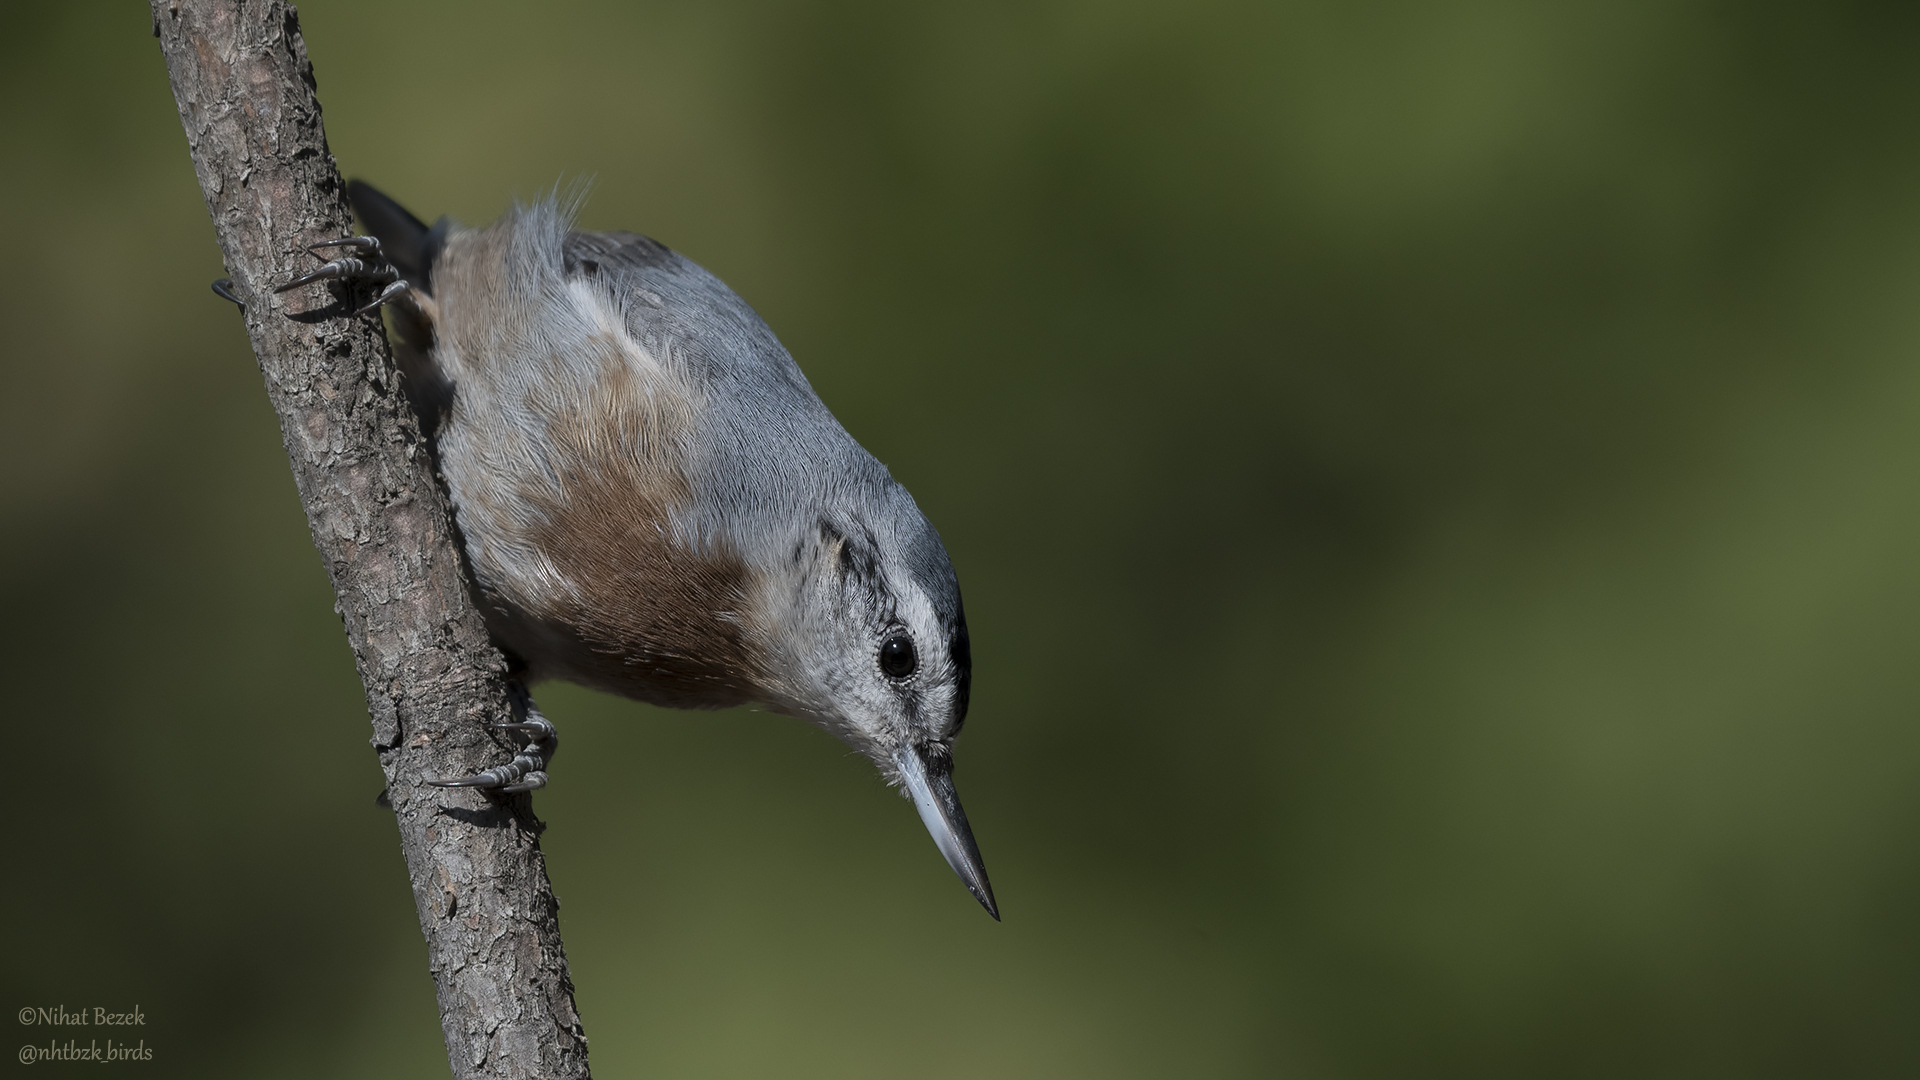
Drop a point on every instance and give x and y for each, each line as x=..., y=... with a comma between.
x=896, y=656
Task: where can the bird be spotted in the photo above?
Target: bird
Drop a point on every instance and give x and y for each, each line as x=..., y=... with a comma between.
x=653, y=500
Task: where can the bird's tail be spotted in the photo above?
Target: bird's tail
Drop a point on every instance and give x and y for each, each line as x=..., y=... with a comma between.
x=409, y=244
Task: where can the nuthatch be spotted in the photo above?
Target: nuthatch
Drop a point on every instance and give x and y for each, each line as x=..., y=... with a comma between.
x=654, y=501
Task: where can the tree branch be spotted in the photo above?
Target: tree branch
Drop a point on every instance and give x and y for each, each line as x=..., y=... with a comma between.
x=383, y=527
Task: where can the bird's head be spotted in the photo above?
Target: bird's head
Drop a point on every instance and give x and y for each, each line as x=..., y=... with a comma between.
x=874, y=640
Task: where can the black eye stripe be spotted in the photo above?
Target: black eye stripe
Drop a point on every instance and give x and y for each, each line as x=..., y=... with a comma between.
x=961, y=650
x=896, y=657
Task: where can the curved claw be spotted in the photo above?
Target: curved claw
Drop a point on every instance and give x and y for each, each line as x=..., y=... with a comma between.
x=338, y=268
x=528, y=769
x=223, y=289
x=492, y=778
x=362, y=264
x=366, y=245
x=347, y=267
x=388, y=295
x=534, y=781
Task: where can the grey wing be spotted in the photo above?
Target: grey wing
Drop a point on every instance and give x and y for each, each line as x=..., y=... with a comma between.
x=681, y=313
x=771, y=454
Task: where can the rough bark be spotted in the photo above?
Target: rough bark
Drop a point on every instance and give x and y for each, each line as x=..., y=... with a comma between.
x=383, y=526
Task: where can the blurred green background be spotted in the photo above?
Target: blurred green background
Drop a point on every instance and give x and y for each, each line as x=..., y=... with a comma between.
x=1434, y=484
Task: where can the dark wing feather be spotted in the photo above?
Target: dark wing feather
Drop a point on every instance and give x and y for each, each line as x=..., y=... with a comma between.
x=591, y=253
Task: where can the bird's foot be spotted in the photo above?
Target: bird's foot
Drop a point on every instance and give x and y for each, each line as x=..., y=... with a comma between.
x=528, y=769
x=362, y=264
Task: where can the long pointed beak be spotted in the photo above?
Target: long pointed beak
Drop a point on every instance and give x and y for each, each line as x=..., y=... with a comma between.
x=931, y=786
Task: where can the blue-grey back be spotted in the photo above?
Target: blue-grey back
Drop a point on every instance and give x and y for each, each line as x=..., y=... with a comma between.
x=771, y=457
